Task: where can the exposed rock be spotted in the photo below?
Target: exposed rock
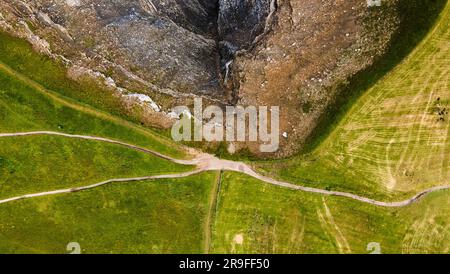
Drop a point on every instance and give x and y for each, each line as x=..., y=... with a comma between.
x=241, y=21
x=314, y=46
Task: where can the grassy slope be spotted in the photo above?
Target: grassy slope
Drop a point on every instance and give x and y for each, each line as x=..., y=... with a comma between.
x=276, y=220
x=43, y=163
x=140, y=217
x=129, y=218
x=36, y=95
x=18, y=54
x=165, y=216
x=391, y=142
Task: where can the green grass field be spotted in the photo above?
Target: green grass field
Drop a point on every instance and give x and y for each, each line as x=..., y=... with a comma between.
x=257, y=218
x=164, y=216
x=44, y=163
x=393, y=141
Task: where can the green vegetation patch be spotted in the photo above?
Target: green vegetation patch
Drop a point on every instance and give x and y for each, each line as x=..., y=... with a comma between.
x=261, y=218
x=20, y=56
x=161, y=216
x=43, y=163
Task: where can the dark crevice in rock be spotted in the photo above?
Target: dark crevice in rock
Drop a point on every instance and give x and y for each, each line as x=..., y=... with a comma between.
x=187, y=46
x=199, y=16
x=232, y=24
x=239, y=23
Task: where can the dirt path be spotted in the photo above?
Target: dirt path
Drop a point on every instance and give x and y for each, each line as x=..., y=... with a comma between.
x=120, y=180
x=101, y=139
x=204, y=162
x=207, y=162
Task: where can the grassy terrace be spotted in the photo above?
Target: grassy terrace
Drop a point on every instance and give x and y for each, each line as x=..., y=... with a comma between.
x=163, y=216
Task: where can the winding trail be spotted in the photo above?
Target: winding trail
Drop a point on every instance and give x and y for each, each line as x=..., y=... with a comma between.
x=101, y=139
x=123, y=180
x=204, y=162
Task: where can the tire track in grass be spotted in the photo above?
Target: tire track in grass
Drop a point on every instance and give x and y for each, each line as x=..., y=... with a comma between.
x=212, y=209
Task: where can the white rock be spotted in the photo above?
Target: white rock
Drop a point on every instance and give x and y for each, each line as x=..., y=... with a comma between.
x=145, y=99
x=176, y=115
x=73, y=3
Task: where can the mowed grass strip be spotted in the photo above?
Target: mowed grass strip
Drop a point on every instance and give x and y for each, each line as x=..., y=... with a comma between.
x=398, y=132
x=161, y=216
x=394, y=140
x=260, y=218
x=44, y=163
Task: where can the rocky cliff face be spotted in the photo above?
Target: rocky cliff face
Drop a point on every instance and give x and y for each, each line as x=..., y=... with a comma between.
x=173, y=44
x=240, y=21
x=287, y=53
